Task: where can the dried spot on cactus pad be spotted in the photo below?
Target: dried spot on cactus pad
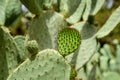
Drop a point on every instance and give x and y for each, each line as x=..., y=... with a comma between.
x=68, y=41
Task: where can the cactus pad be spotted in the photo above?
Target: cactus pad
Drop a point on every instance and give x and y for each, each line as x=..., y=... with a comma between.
x=44, y=29
x=8, y=53
x=47, y=65
x=20, y=41
x=68, y=40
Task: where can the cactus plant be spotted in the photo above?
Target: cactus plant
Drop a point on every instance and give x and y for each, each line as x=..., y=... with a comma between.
x=51, y=59
x=8, y=53
x=106, y=64
x=46, y=35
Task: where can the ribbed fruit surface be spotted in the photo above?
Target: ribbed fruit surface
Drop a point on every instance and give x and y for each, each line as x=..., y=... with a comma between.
x=68, y=40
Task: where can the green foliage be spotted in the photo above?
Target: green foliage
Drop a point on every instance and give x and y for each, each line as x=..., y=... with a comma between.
x=68, y=40
x=65, y=28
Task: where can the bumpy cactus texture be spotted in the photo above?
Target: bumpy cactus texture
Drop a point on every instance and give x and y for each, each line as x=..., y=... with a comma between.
x=47, y=65
x=8, y=53
x=32, y=47
x=20, y=41
x=68, y=40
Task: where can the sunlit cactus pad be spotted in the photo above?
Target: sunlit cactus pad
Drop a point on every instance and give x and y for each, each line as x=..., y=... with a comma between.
x=68, y=40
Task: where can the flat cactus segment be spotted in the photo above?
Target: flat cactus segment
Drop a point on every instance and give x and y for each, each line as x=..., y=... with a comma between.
x=68, y=40
x=47, y=65
x=44, y=29
x=32, y=47
x=87, y=10
x=7, y=11
x=96, y=6
x=20, y=41
x=87, y=47
x=76, y=16
x=8, y=53
x=68, y=7
x=110, y=24
x=35, y=6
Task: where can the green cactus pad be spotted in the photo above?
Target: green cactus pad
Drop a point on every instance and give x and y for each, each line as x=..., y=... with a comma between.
x=34, y=6
x=20, y=41
x=32, y=47
x=68, y=40
x=44, y=29
x=47, y=65
x=8, y=53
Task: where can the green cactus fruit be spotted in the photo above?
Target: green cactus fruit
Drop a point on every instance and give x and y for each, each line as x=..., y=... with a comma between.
x=68, y=40
x=32, y=47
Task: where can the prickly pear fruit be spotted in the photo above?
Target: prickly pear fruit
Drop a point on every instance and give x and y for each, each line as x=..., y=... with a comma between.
x=68, y=40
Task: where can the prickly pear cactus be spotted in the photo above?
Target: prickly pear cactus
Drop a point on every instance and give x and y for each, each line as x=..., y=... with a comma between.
x=49, y=24
x=8, y=53
x=85, y=50
x=68, y=40
x=47, y=65
x=45, y=27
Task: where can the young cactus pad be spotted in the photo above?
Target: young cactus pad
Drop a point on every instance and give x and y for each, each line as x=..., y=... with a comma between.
x=68, y=40
x=32, y=47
